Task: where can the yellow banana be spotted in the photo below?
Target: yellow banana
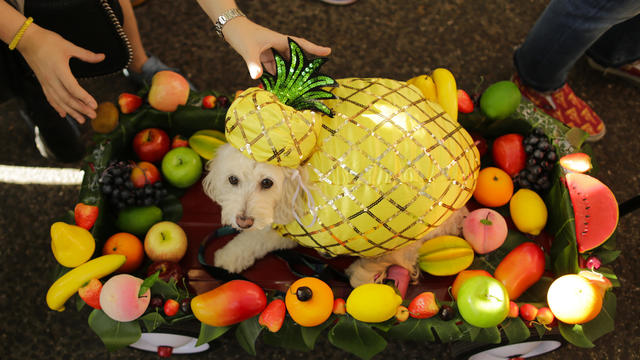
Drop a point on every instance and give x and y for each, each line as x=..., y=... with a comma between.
x=213, y=133
x=447, y=91
x=67, y=285
x=426, y=86
x=206, y=142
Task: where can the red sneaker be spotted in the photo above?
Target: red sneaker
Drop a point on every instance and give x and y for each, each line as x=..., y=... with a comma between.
x=564, y=105
x=630, y=72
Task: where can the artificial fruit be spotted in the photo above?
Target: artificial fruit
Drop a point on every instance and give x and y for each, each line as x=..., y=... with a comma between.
x=229, y=303
x=165, y=241
x=151, y=144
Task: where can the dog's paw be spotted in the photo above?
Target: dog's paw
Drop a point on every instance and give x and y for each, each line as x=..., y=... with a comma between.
x=365, y=271
x=232, y=259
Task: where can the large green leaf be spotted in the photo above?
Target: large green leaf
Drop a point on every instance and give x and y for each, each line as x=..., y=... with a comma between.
x=166, y=290
x=114, y=334
x=561, y=223
x=604, y=322
x=288, y=337
x=311, y=334
x=490, y=335
x=515, y=330
x=247, y=332
x=413, y=330
x=152, y=321
x=356, y=337
x=209, y=333
x=575, y=335
x=171, y=208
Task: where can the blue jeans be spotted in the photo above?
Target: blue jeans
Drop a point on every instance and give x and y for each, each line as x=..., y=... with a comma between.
x=606, y=30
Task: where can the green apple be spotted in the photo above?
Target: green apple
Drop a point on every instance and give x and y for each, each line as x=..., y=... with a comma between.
x=182, y=167
x=165, y=241
x=483, y=301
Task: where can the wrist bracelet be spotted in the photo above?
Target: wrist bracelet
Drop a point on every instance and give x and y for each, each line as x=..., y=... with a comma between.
x=18, y=36
x=226, y=16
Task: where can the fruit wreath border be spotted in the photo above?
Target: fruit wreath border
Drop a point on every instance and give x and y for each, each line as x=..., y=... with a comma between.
x=359, y=338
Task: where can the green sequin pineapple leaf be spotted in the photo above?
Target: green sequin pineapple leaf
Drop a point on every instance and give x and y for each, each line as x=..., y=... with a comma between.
x=297, y=83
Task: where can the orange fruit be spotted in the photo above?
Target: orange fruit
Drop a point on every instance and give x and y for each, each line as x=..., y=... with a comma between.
x=574, y=299
x=494, y=187
x=309, y=301
x=128, y=245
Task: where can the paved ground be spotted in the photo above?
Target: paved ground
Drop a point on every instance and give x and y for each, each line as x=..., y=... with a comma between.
x=399, y=39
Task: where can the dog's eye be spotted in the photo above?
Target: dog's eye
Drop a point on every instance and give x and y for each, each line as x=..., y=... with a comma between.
x=266, y=183
x=233, y=180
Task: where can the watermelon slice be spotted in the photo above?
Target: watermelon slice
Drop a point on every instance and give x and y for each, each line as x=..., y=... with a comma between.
x=595, y=209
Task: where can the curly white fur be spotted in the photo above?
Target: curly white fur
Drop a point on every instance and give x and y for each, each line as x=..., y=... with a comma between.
x=249, y=198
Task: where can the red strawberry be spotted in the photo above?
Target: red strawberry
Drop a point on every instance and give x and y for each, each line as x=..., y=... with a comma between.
x=272, y=316
x=85, y=215
x=465, y=104
x=424, y=306
x=90, y=293
x=209, y=102
x=129, y=102
x=339, y=307
x=165, y=351
x=171, y=307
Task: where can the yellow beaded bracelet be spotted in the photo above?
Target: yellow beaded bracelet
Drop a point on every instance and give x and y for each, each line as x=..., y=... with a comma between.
x=16, y=39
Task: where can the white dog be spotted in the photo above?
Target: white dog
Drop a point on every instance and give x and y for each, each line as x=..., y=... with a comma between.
x=255, y=195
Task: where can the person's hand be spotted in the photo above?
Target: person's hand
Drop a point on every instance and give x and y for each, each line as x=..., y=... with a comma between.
x=48, y=55
x=254, y=42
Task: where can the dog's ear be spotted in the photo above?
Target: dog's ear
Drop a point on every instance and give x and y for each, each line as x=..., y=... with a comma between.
x=215, y=168
x=283, y=213
x=209, y=181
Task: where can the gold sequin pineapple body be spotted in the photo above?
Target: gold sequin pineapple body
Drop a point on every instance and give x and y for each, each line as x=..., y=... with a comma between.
x=387, y=168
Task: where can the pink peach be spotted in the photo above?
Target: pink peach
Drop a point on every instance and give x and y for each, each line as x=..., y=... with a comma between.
x=485, y=229
x=119, y=298
x=168, y=90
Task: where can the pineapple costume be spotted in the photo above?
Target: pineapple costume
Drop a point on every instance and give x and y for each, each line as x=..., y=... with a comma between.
x=384, y=165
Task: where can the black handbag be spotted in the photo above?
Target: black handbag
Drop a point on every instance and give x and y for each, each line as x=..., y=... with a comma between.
x=95, y=25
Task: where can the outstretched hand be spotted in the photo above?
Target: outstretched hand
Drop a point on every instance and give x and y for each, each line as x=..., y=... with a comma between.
x=254, y=42
x=48, y=55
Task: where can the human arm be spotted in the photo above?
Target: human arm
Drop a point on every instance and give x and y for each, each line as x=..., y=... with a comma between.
x=252, y=41
x=48, y=55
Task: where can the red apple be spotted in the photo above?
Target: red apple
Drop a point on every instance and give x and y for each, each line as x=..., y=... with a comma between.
x=129, y=103
x=339, y=307
x=144, y=173
x=90, y=293
x=424, y=306
x=209, y=102
x=508, y=153
x=151, y=144
x=179, y=141
x=168, y=90
x=171, y=307
x=168, y=270
x=85, y=215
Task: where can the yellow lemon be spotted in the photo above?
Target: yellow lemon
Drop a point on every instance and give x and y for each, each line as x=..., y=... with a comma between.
x=373, y=303
x=528, y=211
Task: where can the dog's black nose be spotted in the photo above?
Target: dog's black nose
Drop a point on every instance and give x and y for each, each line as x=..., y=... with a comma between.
x=244, y=222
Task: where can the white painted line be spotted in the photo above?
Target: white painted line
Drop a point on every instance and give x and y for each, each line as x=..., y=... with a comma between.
x=40, y=175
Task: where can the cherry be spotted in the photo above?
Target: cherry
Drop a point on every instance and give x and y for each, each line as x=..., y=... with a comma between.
x=304, y=293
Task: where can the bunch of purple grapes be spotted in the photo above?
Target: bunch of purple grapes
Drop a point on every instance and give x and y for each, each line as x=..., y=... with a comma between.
x=541, y=158
x=116, y=185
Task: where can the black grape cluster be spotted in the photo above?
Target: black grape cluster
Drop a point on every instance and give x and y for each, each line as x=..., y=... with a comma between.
x=116, y=185
x=541, y=158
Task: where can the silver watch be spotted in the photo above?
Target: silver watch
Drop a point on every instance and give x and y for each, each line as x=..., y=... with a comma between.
x=227, y=16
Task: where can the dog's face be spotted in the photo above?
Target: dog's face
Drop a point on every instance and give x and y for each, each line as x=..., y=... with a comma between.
x=252, y=194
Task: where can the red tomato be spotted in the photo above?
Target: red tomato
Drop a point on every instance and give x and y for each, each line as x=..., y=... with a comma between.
x=508, y=153
x=521, y=268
